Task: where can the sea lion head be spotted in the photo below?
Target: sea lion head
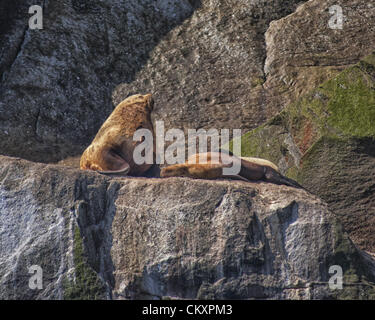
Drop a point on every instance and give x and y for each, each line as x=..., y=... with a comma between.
x=111, y=151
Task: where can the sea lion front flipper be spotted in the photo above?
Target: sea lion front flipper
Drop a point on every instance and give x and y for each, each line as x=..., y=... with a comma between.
x=123, y=172
x=116, y=164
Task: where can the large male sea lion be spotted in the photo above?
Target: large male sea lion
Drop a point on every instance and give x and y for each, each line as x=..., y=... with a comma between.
x=212, y=168
x=111, y=151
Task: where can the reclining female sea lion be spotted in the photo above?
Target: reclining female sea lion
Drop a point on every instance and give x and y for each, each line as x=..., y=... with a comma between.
x=210, y=166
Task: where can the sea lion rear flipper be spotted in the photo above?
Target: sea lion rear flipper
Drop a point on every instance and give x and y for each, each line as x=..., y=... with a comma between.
x=277, y=178
x=289, y=182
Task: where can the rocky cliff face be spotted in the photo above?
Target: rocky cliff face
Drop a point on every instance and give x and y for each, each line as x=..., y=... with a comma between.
x=59, y=84
x=209, y=64
x=208, y=72
x=308, y=47
x=323, y=79
x=325, y=140
x=96, y=237
x=56, y=83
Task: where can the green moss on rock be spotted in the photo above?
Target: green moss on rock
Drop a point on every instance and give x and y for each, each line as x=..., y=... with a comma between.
x=265, y=142
x=259, y=81
x=86, y=285
x=352, y=103
x=326, y=142
x=341, y=108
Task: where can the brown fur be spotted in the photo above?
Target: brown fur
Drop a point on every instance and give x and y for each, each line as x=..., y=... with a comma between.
x=198, y=168
x=112, y=149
